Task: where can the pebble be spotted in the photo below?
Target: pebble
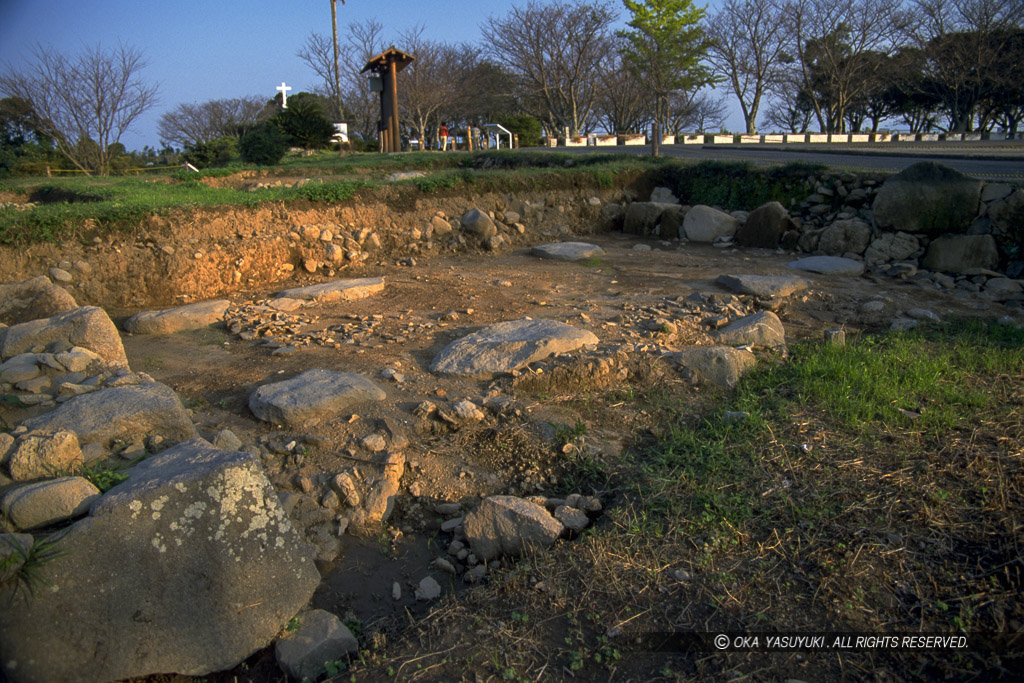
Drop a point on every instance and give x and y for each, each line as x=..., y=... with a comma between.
x=60, y=275
x=428, y=589
x=922, y=314
x=444, y=565
x=451, y=525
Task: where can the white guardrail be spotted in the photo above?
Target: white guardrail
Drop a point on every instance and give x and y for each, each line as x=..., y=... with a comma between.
x=773, y=138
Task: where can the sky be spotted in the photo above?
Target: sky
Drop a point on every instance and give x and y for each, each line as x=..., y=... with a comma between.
x=200, y=50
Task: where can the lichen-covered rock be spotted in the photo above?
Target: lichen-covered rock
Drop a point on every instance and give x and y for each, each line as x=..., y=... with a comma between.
x=891, y=246
x=188, y=567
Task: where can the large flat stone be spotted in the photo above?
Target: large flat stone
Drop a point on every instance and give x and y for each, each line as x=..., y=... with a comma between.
x=86, y=326
x=313, y=394
x=337, y=290
x=188, y=567
x=828, y=265
x=567, y=251
x=504, y=347
x=505, y=525
x=180, y=319
x=761, y=329
x=128, y=413
x=764, y=286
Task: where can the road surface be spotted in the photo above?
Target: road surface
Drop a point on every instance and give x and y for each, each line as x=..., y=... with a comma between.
x=988, y=160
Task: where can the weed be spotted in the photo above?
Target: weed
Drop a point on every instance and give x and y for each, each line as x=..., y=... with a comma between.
x=29, y=576
x=293, y=624
x=565, y=434
x=331, y=192
x=335, y=667
x=438, y=181
x=103, y=476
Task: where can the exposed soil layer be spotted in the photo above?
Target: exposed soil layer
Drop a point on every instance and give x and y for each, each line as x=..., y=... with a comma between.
x=635, y=298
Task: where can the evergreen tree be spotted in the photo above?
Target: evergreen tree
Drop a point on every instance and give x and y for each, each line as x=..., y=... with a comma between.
x=665, y=50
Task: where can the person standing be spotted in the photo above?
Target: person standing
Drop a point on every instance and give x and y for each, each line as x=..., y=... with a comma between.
x=443, y=134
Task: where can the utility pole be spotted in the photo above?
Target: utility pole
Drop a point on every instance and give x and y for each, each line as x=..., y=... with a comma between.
x=337, y=70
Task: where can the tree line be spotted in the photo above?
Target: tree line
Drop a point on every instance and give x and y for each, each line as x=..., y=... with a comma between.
x=790, y=66
x=560, y=66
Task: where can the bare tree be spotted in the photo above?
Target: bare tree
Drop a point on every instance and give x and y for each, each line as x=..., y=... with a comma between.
x=555, y=52
x=427, y=84
x=829, y=39
x=87, y=103
x=362, y=106
x=189, y=123
x=747, y=49
x=696, y=111
x=623, y=105
x=788, y=111
x=317, y=54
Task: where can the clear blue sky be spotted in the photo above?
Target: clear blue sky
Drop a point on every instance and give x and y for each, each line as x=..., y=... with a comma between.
x=211, y=49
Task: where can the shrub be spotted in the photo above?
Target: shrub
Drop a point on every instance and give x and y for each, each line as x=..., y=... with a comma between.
x=739, y=185
x=304, y=125
x=264, y=145
x=211, y=153
x=525, y=126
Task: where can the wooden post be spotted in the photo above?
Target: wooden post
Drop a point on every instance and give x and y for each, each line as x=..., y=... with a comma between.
x=396, y=140
x=655, y=140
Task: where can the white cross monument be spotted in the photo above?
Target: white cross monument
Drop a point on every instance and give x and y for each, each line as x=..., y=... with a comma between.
x=284, y=94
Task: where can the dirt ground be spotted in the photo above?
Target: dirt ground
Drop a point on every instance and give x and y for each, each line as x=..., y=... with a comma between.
x=625, y=297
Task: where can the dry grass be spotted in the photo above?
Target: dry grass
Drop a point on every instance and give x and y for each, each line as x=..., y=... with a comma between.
x=876, y=488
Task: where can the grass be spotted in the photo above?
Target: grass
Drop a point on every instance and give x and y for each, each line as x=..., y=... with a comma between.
x=103, y=475
x=876, y=487
x=29, y=577
x=81, y=207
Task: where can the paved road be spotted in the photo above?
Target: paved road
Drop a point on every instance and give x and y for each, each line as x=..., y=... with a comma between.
x=1000, y=161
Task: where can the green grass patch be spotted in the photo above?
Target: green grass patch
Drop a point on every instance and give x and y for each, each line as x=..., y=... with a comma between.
x=331, y=192
x=919, y=384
